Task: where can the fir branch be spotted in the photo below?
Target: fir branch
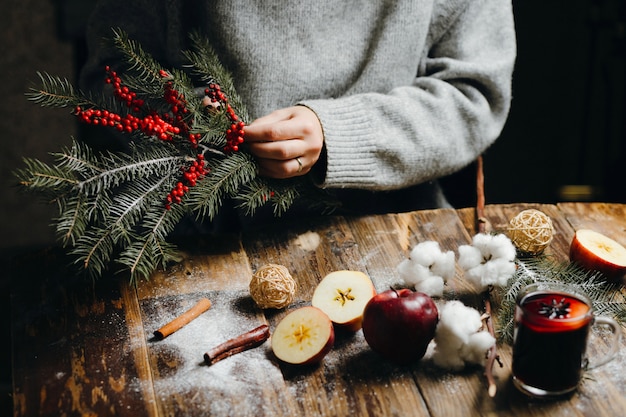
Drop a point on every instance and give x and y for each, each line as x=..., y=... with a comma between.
x=211, y=125
x=73, y=220
x=145, y=254
x=227, y=176
x=133, y=200
x=78, y=159
x=284, y=199
x=145, y=68
x=39, y=176
x=57, y=92
x=207, y=66
x=255, y=194
x=143, y=162
x=150, y=250
x=93, y=251
x=280, y=194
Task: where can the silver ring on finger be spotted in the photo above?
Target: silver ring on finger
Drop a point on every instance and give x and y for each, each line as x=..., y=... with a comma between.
x=299, y=164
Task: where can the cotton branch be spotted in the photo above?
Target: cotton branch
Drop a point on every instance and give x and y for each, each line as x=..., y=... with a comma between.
x=482, y=225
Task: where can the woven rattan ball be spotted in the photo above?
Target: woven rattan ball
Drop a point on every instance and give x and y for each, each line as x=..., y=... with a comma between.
x=531, y=231
x=272, y=286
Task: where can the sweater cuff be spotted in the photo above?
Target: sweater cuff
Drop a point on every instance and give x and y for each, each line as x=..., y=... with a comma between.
x=349, y=140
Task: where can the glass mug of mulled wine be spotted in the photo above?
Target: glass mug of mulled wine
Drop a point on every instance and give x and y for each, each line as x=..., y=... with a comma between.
x=552, y=325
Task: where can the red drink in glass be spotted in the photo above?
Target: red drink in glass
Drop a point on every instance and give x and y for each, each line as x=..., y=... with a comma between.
x=552, y=323
x=550, y=341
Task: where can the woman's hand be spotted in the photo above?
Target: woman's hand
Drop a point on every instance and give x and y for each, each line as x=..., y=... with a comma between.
x=286, y=143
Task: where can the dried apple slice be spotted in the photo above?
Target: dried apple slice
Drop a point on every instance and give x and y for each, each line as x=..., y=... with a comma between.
x=303, y=337
x=342, y=295
x=596, y=252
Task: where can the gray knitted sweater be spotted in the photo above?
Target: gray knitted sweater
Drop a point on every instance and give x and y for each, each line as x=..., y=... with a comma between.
x=406, y=90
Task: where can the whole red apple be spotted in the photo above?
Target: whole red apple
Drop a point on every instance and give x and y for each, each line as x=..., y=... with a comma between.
x=399, y=324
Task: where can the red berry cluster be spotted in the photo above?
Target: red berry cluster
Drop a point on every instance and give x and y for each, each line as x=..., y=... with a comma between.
x=164, y=127
x=234, y=135
x=191, y=175
x=178, y=110
x=122, y=92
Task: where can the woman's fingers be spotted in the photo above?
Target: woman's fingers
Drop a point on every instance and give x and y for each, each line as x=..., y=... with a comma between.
x=286, y=143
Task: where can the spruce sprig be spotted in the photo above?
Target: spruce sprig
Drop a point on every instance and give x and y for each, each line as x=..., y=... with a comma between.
x=205, y=65
x=117, y=209
x=57, y=92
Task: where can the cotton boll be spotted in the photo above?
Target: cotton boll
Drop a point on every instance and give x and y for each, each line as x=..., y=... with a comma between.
x=482, y=241
x=476, y=348
x=503, y=248
x=448, y=360
x=458, y=321
x=505, y=269
x=432, y=286
x=475, y=277
x=412, y=272
x=458, y=339
x=425, y=253
x=489, y=261
x=469, y=257
x=444, y=266
x=428, y=268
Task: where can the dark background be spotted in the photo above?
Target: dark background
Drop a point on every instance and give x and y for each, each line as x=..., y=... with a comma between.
x=565, y=139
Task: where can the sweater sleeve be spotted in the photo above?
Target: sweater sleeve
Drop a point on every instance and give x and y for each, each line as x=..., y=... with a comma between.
x=453, y=111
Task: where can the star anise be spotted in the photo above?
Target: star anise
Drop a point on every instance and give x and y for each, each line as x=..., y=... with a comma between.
x=555, y=309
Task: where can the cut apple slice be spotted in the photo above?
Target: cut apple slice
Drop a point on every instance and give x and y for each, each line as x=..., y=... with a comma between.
x=597, y=252
x=342, y=295
x=303, y=337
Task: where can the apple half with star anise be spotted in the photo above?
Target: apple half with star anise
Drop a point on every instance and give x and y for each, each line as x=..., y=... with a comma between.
x=594, y=251
x=342, y=295
x=303, y=337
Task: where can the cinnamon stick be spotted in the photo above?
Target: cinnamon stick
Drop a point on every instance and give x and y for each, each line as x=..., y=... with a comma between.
x=179, y=322
x=245, y=341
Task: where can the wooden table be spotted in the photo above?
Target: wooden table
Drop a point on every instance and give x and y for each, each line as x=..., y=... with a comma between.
x=87, y=349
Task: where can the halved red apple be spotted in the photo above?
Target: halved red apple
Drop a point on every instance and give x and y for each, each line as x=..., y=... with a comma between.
x=596, y=252
x=303, y=337
x=342, y=295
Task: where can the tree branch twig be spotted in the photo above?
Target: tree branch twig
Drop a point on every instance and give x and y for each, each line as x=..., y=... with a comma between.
x=483, y=226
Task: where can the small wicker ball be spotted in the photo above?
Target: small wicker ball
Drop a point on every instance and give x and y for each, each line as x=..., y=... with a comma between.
x=531, y=231
x=272, y=286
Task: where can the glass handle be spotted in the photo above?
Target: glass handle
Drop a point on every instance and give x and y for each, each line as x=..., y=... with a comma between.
x=614, y=342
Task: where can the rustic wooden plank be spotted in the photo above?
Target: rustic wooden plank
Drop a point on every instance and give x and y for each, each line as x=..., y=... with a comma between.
x=71, y=343
x=309, y=251
x=139, y=348
x=608, y=219
x=352, y=379
x=209, y=263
